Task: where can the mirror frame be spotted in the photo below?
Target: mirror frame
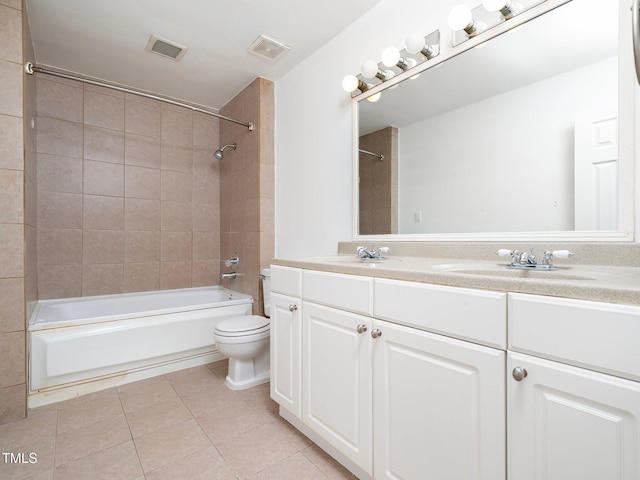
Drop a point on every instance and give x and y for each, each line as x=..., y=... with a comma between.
x=626, y=139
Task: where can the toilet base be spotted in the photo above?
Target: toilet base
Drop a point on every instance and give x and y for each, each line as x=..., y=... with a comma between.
x=233, y=385
x=247, y=373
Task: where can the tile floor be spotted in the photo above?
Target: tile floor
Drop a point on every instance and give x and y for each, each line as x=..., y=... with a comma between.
x=183, y=425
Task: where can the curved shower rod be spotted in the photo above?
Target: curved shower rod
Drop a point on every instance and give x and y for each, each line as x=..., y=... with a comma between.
x=367, y=152
x=30, y=68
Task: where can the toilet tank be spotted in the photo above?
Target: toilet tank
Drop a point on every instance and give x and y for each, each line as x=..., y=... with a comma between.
x=265, y=274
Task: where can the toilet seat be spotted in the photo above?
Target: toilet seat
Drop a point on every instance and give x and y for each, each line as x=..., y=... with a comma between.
x=243, y=326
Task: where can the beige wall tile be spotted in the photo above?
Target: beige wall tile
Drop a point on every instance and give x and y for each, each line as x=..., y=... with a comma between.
x=102, y=279
x=12, y=367
x=204, y=163
x=17, y=4
x=103, y=90
x=59, y=174
x=11, y=305
x=59, y=246
x=176, y=246
x=206, y=218
x=176, y=186
x=12, y=251
x=177, y=158
x=103, y=144
x=206, y=246
x=59, y=137
x=141, y=277
x=176, y=217
x=142, y=118
x=59, y=281
x=206, y=131
x=267, y=215
x=205, y=273
x=103, y=178
x=177, y=126
x=206, y=189
x=141, y=214
x=267, y=181
x=102, y=246
x=13, y=401
x=141, y=247
x=141, y=182
x=175, y=275
x=103, y=213
x=59, y=100
x=11, y=144
x=11, y=92
x=59, y=210
x=102, y=110
x=141, y=151
x=11, y=196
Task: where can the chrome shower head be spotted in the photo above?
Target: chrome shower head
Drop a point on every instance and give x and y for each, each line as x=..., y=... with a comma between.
x=218, y=153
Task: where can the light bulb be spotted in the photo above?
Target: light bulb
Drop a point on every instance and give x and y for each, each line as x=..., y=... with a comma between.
x=460, y=17
x=369, y=68
x=414, y=43
x=350, y=83
x=390, y=56
x=494, y=5
x=375, y=97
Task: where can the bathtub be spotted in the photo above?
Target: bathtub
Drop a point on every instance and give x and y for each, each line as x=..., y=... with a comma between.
x=80, y=345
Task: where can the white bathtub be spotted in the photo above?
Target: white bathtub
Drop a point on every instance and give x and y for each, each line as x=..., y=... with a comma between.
x=79, y=345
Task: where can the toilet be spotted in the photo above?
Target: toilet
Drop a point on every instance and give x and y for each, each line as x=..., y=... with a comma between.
x=245, y=340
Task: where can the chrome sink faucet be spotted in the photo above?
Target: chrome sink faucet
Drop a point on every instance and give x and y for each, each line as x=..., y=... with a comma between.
x=373, y=253
x=527, y=260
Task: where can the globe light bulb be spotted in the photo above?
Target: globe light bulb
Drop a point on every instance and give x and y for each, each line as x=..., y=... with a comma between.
x=414, y=43
x=390, y=56
x=369, y=68
x=494, y=5
x=460, y=17
x=375, y=97
x=350, y=83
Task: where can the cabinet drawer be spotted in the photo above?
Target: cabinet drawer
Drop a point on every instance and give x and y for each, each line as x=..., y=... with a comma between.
x=286, y=280
x=475, y=315
x=599, y=336
x=349, y=292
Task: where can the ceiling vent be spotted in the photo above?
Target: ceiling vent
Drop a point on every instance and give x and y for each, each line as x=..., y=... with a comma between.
x=267, y=47
x=166, y=48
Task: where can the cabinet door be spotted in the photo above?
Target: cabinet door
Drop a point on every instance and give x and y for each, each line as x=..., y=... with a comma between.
x=336, y=380
x=439, y=407
x=286, y=336
x=568, y=423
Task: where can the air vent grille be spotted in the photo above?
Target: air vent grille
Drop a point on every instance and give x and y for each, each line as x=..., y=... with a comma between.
x=166, y=48
x=267, y=47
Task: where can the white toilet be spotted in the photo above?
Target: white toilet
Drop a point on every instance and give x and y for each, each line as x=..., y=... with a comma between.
x=245, y=340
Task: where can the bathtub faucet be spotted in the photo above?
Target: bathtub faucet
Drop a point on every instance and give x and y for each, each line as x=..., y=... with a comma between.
x=228, y=276
x=233, y=263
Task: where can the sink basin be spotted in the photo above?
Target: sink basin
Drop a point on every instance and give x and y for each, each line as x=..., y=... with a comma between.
x=351, y=260
x=498, y=270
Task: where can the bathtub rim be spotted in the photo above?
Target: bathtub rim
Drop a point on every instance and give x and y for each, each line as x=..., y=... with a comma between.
x=35, y=325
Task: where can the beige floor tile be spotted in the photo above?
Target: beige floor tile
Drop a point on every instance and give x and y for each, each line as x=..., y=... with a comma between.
x=77, y=414
x=40, y=422
x=327, y=464
x=293, y=435
x=251, y=452
x=92, y=438
x=203, y=402
x=169, y=444
x=296, y=467
x=44, y=453
x=42, y=476
x=109, y=392
x=206, y=464
x=156, y=416
x=118, y=462
x=233, y=420
x=146, y=392
x=195, y=380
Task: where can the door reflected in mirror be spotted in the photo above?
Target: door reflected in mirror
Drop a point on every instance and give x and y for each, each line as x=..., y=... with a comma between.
x=520, y=135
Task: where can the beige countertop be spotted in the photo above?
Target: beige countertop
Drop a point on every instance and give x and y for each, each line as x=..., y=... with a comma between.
x=605, y=283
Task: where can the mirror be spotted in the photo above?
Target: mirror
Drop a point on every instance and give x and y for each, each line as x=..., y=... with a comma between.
x=519, y=134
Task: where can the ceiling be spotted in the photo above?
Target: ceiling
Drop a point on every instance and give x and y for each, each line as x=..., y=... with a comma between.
x=106, y=39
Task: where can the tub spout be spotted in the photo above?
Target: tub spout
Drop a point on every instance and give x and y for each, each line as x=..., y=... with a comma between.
x=228, y=276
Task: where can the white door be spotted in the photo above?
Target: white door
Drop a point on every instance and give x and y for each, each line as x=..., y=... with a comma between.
x=286, y=337
x=596, y=170
x=336, y=380
x=439, y=407
x=568, y=423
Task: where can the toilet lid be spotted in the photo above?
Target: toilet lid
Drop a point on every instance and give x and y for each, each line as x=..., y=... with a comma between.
x=247, y=325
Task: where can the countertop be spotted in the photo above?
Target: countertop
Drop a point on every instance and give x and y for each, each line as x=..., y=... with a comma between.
x=604, y=283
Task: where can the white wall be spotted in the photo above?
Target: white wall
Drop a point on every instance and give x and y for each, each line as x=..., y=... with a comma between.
x=314, y=126
x=507, y=155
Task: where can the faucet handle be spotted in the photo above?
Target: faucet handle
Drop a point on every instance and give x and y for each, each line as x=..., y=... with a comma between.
x=504, y=252
x=562, y=253
x=384, y=249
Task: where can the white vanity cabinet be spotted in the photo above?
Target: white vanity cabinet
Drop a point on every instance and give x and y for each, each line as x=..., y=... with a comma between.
x=573, y=399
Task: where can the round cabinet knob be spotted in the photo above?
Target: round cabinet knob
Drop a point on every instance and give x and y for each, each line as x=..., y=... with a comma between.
x=375, y=333
x=361, y=328
x=293, y=307
x=519, y=374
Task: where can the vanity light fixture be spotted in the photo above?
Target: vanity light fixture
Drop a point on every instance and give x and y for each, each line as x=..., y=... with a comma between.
x=461, y=18
x=351, y=83
x=391, y=58
x=416, y=43
x=370, y=69
x=507, y=8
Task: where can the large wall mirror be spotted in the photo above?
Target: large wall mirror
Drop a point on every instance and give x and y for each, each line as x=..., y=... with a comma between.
x=518, y=136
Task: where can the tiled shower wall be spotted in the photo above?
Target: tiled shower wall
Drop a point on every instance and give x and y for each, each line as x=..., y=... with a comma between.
x=128, y=192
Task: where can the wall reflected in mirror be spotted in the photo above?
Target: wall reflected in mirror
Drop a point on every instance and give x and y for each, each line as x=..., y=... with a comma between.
x=519, y=135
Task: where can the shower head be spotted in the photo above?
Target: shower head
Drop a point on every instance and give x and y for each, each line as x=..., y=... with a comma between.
x=218, y=153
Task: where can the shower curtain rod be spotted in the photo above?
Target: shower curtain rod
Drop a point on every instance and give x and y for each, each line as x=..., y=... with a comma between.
x=30, y=68
x=380, y=157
